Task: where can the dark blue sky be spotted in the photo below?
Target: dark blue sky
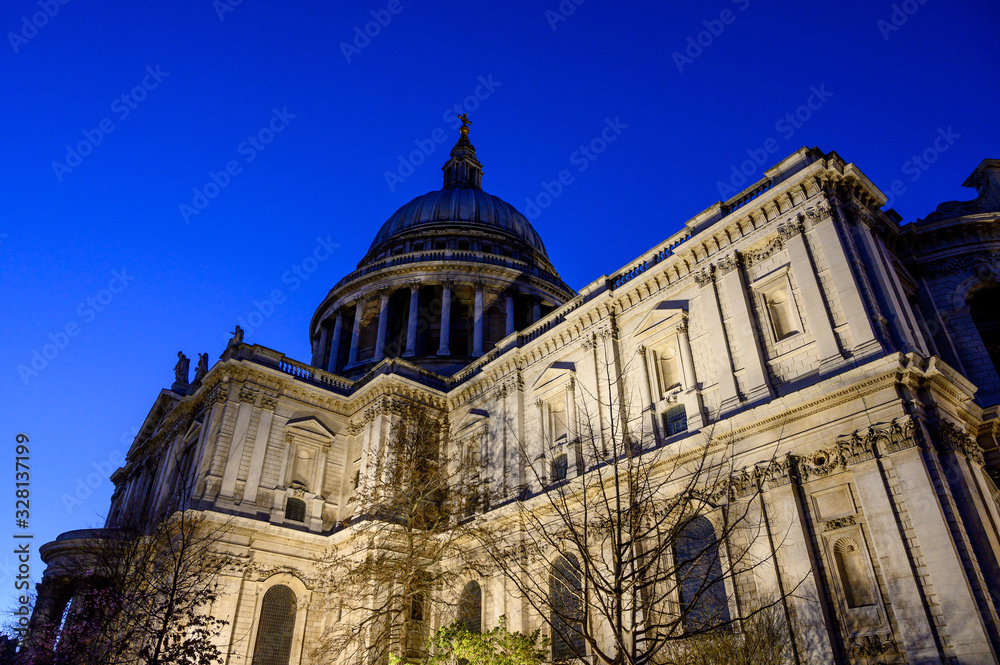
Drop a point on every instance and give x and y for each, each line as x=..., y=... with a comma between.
x=93, y=236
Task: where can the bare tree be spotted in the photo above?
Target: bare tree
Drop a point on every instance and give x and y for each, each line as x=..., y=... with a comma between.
x=646, y=546
x=404, y=539
x=143, y=590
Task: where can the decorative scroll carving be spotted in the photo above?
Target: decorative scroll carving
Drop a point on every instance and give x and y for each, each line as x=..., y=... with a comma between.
x=767, y=475
x=839, y=523
x=872, y=645
x=268, y=402
x=949, y=438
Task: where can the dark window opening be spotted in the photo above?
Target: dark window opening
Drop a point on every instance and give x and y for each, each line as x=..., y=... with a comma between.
x=675, y=420
x=295, y=510
x=559, y=467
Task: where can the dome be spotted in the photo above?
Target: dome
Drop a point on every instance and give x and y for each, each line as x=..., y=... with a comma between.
x=466, y=205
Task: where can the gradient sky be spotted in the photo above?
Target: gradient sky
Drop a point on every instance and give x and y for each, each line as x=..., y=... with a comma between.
x=97, y=241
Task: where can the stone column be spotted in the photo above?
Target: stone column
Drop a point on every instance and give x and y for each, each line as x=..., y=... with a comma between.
x=237, y=443
x=383, y=325
x=843, y=280
x=352, y=358
x=477, y=324
x=815, y=303
x=796, y=561
x=259, y=448
x=319, y=354
x=943, y=567
x=411, y=326
x=902, y=586
x=509, y=309
x=444, y=349
x=902, y=322
x=338, y=331
x=753, y=359
x=536, y=309
x=687, y=357
x=717, y=338
x=647, y=395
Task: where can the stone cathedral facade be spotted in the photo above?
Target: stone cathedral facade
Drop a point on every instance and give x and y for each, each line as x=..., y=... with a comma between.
x=854, y=355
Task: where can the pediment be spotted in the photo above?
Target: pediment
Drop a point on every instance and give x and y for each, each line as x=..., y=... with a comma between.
x=164, y=404
x=664, y=315
x=310, y=428
x=553, y=375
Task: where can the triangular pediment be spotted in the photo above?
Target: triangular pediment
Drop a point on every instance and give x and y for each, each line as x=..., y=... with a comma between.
x=311, y=428
x=665, y=314
x=164, y=404
x=554, y=374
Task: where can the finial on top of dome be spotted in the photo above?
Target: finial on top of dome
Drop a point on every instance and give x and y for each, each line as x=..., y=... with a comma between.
x=463, y=169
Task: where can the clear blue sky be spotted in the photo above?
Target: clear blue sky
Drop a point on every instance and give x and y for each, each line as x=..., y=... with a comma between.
x=198, y=81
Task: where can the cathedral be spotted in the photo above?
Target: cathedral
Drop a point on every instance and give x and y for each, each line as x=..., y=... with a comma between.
x=851, y=356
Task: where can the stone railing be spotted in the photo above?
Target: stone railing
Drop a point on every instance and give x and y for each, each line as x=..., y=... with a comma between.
x=746, y=196
x=429, y=255
x=659, y=254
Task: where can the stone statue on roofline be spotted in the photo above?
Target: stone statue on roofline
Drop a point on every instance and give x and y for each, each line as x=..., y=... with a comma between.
x=181, y=373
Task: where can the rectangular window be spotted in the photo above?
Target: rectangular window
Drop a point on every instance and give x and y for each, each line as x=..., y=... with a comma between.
x=675, y=420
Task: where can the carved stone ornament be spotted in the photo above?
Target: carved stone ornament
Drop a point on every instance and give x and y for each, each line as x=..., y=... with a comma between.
x=839, y=523
x=219, y=395
x=727, y=264
x=790, y=229
x=704, y=278
x=268, y=402
x=949, y=438
x=248, y=395
x=767, y=251
x=872, y=645
x=819, y=464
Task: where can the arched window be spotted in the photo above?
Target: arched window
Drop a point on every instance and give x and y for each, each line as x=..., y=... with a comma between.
x=853, y=572
x=566, y=601
x=470, y=607
x=983, y=307
x=277, y=623
x=699, y=572
x=295, y=510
